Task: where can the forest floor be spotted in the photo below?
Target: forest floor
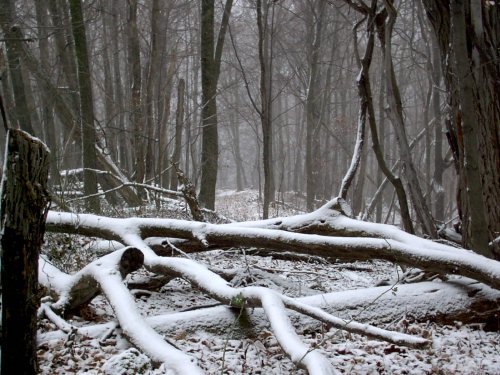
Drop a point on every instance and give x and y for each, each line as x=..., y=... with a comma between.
x=457, y=349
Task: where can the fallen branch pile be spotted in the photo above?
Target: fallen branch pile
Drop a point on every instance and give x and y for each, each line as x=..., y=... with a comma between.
x=312, y=234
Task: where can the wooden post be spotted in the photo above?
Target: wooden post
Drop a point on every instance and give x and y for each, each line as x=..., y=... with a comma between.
x=24, y=206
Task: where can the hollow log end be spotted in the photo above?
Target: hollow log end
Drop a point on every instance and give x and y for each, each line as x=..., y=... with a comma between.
x=132, y=259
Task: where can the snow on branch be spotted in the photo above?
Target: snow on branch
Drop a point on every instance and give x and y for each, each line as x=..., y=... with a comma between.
x=104, y=273
x=373, y=241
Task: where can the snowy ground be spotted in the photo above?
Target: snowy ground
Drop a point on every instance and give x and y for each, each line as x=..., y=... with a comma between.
x=457, y=349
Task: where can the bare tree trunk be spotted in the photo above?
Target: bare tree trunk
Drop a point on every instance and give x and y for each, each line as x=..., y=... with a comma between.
x=123, y=153
x=313, y=107
x=395, y=113
x=210, y=138
x=136, y=113
x=265, y=63
x=65, y=52
x=64, y=46
x=381, y=144
x=154, y=68
x=163, y=123
x=364, y=65
x=24, y=205
x=438, y=132
x=335, y=236
x=358, y=200
x=86, y=106
x=211, y=54
x=179, y=124
x=47, y=105
x=108, y=90
x=234, y=131
x=477, y=230
x=365, y=93
x=473, y=83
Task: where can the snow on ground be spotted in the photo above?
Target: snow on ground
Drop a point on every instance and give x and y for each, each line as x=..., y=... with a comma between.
x=457, y=349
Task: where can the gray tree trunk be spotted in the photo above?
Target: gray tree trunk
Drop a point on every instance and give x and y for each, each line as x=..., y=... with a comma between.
x=136, y=113
x=86, y=106
x=47, y=105
x=478, y=227
x=265, y=63
x=438, y=132
x=313, y=108
x=123, y=153
x=364, y=89
x=179, y=124
x=211, y=55
x=474, y=84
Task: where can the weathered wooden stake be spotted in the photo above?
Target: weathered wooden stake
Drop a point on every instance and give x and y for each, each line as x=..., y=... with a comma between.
x=23, y=210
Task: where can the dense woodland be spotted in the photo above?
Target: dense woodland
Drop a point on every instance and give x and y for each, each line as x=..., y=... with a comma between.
x=390, y=107
x=275, y=96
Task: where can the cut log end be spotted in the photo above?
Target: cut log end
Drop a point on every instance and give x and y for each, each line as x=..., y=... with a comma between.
x=132, y=259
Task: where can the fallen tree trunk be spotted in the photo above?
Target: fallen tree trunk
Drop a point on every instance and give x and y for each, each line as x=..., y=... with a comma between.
x=106, y=274
x=79, y=289
x=443, y=303
x=386, y=242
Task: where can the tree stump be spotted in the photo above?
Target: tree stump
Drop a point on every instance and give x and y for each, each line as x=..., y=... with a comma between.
x=23, y=210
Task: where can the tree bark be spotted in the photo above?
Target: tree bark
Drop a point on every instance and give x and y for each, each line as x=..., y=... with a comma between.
x=86, y=107
x=47, y=117
x=438, y=132
x=480, y=84
x=24, y=205
x=313, y=107
x=364, y=65
x=477, y=228
x=365, y=93
x=265, y=63
x=189, y=194
x=136, y=113
x=379, y=241
x=179, y=125
x=65, y=54
x=211, y=54
x=438, y=302
x=123, y=153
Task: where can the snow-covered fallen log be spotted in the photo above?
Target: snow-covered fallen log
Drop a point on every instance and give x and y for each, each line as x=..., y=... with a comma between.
x=363, y=241
x=236, y=297
x=386, y=242
x=441, y=302
x=106, y=274
x=79, y=289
